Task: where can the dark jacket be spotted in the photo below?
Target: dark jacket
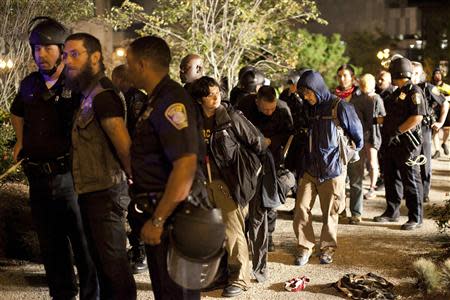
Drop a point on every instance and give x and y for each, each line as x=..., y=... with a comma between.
x=232, y=134
x=276, y=127
x=323, y=161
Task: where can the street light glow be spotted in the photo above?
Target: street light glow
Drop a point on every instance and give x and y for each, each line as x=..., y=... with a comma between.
x=380, y=55
x=9, y=64
x=120, y=52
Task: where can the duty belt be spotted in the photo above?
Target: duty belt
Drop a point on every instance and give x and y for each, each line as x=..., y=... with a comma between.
x=145, y=203
x=59, y=165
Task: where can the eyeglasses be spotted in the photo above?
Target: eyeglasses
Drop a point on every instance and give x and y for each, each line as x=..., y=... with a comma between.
x=73, y=54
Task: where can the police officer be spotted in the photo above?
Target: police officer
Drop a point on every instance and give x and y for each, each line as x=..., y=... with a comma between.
x=401, y=145
x=164, y=154
x=41, y=115
x=250, y=80
x=435, y=101
x=101, y=158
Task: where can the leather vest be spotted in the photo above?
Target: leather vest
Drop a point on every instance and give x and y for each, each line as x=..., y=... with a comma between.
x=95, y=166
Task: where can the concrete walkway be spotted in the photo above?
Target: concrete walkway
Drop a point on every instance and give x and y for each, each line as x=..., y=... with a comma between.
x=383, y=249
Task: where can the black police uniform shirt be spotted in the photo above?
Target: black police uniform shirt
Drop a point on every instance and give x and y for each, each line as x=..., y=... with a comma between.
x=405, y=102
x=48, y=116
x=434, y=99
x=166, y=130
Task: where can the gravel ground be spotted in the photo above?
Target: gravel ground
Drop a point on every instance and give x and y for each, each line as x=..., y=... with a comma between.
x=369, y=247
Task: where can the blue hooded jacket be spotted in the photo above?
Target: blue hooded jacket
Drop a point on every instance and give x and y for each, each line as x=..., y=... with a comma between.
x=323, y=160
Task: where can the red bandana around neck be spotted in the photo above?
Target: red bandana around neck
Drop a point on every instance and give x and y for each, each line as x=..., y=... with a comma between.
x=344, y=94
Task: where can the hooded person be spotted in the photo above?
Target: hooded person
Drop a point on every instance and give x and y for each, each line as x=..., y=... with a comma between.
x=325, y=168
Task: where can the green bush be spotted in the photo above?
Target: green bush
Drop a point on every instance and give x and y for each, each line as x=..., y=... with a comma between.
x=7, y=141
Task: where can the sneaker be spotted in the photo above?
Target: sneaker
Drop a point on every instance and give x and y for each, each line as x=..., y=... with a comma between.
x=354, y=220
x=302, y=259
x=370, y=194
x=410, y=225
x=444, y=146
x=436, y=155
x=326, y=256
x=384, y=218
x=138, y=260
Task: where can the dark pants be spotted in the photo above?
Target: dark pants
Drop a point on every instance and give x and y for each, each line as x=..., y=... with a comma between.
x=396, y=174
x=164, y=288
x=103, y=215
x=272, y=220
x=355, y=173
x=425, y=169
x=134, y=235
x=258, y=233
x=57, y=219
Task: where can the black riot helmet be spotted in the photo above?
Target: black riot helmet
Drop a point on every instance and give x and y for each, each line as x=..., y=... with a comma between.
x=47, y=31
x=197, y=241
x=292, y=77
x=401, y=68
x=250, y=80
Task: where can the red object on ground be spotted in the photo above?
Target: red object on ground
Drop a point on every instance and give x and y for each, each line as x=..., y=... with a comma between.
x=296, y=284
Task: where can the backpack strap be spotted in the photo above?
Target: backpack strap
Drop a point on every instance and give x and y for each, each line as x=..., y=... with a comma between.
x=334, y=112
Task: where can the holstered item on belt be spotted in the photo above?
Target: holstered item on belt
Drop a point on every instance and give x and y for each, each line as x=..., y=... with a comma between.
x=144, y=203
x=428, y=120
x=59, y=165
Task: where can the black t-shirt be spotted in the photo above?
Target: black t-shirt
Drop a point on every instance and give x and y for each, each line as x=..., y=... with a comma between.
x=209, y=124
x=166, y=130
x=48, y=116
x=108, y=104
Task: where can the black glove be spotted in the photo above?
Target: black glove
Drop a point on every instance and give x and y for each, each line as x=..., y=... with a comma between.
x=394, y=140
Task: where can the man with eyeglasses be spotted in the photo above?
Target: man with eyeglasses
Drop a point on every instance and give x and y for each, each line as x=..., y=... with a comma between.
x=100, y=164
x=41, y=115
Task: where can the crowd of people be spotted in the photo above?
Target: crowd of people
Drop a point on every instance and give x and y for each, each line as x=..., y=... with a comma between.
x=141, y=147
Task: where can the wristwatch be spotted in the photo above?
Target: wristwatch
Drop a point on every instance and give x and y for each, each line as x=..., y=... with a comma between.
x=157, y=222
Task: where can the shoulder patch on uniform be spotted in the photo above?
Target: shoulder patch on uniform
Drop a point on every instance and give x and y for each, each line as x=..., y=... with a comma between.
x=435, y=91
x=417, y=98
x=177, y=116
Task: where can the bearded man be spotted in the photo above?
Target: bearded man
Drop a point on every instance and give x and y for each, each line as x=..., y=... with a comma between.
x=100, y=164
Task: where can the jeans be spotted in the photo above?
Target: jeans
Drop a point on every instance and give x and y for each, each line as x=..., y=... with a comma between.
x=56, y=216
x=104, y=220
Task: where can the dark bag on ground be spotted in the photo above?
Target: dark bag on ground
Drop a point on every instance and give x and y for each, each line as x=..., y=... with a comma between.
x=369, y=286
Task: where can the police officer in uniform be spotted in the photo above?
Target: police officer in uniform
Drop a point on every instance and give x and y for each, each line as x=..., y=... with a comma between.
x=101, y=161
x=164, y=155
x=401, y=145
x=41, y=115
x=435, y=101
